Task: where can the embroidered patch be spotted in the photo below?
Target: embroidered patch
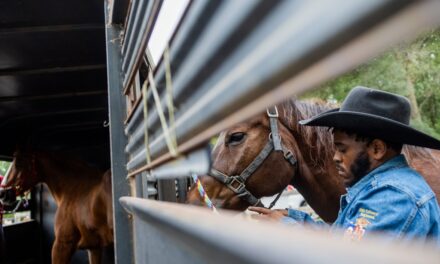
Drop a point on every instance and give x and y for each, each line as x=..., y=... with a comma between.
x=356, y=231
x=367, y=213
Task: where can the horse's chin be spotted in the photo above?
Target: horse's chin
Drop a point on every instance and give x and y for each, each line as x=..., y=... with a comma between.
x=233, y=203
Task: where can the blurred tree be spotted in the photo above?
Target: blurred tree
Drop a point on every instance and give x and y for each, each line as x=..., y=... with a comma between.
x=4, y=165
x=410, y=69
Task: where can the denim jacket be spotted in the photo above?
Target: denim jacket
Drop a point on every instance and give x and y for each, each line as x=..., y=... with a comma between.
x=393, y=199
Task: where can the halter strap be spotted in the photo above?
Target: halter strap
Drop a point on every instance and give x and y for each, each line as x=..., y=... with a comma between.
x=237, y=183
x=273, y=119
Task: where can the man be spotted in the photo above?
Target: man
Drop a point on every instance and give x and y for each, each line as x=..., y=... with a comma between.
x=383, y=193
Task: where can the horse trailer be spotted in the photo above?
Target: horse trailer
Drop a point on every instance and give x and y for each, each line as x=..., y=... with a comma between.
x=83, y=77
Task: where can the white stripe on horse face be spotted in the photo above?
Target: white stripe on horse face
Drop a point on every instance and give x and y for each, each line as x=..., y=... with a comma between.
x=220, y=140
x=6, y=176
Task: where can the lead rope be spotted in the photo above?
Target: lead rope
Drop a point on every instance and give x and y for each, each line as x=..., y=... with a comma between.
x=169, y=136
x=169, y=90
x=275, y=200
x=203, y=194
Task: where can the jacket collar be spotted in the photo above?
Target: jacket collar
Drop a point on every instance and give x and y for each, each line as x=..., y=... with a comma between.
x=395, y=162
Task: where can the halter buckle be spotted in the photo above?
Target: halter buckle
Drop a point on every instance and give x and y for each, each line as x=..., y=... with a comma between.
x=290, y=157
x=288, y=154
x=272, y=114
x=238, y=181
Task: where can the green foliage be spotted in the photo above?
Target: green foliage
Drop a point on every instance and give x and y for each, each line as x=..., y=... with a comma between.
x=4, y=165
x=411, y=69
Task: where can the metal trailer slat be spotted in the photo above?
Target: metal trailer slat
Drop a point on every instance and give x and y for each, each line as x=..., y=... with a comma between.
x=132, y=16
x=184, y=39
x=187, y=36
x=194, y=64
x=196, y=235
x=135, y=53
x=135, y=31
x=240, y=79
x=203, y=47
x=197, y=162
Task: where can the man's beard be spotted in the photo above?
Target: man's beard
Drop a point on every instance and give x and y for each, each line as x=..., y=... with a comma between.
x=360, y=167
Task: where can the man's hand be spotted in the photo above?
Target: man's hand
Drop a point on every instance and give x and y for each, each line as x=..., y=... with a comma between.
x=268, y=214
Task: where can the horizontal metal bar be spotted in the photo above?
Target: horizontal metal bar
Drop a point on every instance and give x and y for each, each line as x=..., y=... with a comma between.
x=133, y=119
x=138, y=20
x=197, y=57
x=129, y=20
x=136, y=117
x=203, y=49
x=347, y=57
x=198, y=162
x=134, y=58
x=137, y=122
x=184, y=39
x=197, y=235
x=297, y=28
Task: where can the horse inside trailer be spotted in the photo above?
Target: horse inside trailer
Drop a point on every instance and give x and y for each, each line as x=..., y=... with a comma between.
x=53, y=97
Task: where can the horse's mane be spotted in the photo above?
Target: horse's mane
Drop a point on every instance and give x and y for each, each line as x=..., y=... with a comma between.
x=426, y=154
x=318, y=139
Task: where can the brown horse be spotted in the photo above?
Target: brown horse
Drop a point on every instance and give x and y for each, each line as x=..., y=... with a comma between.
x=315, y=175
x=83, y=194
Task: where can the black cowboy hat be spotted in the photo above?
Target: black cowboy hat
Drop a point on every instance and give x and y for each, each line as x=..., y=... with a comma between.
x=375, y=114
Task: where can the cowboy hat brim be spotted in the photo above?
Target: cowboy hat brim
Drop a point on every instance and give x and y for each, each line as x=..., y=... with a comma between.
x=373, y=126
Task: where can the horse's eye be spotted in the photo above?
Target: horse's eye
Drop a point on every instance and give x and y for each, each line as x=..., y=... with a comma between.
x=236, y=138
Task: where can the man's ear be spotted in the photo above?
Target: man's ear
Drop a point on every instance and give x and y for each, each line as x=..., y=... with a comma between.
x=377, y=149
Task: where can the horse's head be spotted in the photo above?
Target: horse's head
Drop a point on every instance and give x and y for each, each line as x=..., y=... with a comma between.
x=250, y=160
x=20, y=178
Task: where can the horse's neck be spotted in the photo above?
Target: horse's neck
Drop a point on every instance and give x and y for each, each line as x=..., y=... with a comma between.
x=427, y=163
x=319, y=183
x=63, y=179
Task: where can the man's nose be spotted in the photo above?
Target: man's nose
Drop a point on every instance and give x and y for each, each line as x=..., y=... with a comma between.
x=337, y=157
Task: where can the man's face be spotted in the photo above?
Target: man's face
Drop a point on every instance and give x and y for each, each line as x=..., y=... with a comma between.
x=351, y=157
